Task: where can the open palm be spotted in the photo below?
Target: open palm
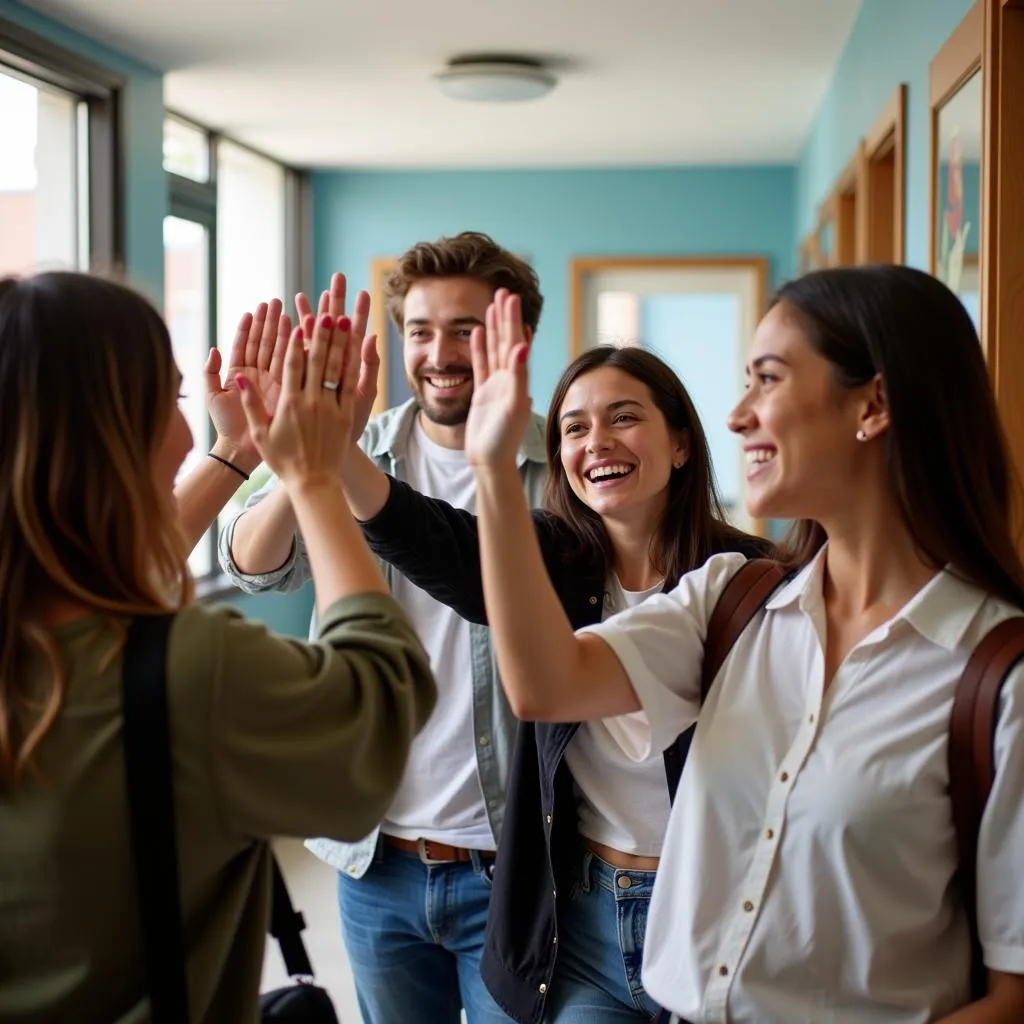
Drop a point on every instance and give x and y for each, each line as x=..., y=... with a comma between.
x=257, y=354
x=500, y=409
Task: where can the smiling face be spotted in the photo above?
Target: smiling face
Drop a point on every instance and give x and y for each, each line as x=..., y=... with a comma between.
x=616, y=449
x=799, y=427
x=440, y=314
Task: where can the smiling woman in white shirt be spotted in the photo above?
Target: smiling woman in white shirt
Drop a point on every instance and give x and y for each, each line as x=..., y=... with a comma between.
x=808, y=869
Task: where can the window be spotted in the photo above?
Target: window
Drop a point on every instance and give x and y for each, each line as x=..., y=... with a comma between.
x=59, y=199
x=231, y=240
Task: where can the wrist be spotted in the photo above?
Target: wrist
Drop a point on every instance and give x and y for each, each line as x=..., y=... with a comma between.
x=243, y=459
x=307, y=484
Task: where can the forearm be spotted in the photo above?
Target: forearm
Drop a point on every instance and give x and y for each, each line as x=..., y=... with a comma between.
x=264, y=534
x=549, y=673
x=339, y=559
x=1004, y=1003
x=366, y=486
x=207, y=489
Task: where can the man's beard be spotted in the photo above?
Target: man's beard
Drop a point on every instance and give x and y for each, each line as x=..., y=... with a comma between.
x=445, y=412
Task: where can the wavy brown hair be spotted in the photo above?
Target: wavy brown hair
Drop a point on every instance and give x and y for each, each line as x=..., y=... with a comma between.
x=87, y=388
x=948, y=460
x=692, y=528
x=468, y=254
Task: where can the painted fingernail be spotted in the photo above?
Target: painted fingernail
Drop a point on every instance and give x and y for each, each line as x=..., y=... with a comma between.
x=344, y=324
x=241, y=382
x=326, y=323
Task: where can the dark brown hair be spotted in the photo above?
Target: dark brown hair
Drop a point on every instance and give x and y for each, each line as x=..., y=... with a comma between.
x=692, y=527
x=87, y=382
x=469, y=254
x=948, y=461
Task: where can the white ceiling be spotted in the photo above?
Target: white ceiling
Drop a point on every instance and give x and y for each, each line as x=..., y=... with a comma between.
x=647, y=82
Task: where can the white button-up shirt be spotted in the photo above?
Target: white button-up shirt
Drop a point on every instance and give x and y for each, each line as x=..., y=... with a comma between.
x=807, y=873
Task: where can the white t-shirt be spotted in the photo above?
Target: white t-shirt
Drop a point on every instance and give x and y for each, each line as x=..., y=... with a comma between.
x=621, y=804
x=440, y=796
x=808, y=866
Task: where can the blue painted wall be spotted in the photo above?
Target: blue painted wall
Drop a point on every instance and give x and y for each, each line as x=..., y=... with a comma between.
x=551, y=216
x=145, y=186
x=892, y=41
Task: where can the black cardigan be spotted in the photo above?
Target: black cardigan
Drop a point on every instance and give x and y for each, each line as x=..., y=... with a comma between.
x=436, y=547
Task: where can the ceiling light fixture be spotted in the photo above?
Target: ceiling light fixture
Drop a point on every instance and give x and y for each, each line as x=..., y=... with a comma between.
x=495, y=79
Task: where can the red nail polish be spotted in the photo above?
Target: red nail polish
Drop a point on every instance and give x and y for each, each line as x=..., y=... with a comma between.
x=326, y=323
x=241, y=382
x=344, y=324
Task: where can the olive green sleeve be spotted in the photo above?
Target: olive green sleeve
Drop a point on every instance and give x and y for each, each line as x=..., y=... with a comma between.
x=312, y=739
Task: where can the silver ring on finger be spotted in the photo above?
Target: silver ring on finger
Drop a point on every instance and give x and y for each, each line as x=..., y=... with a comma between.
x=330, y=385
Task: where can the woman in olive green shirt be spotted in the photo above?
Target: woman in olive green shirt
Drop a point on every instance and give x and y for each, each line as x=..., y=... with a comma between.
x=266, y=732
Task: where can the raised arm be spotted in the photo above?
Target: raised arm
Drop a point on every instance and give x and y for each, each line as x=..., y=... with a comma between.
x=256, y=354
x=549, y=673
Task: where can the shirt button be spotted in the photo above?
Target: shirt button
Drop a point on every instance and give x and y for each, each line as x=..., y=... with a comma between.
x=784, y=777
x=543, y=988
x=593, y=600
x=351, y=869
x=625, y=881
x=549, y=819
x=748, y=906
x=723, y=970
x=769, y=834
x=810, y=717
x=484, y=741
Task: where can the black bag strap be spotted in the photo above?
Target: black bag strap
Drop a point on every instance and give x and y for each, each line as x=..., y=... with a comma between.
x=148, y=776
x=149, y=779
x=743, y=597
x=971, y=752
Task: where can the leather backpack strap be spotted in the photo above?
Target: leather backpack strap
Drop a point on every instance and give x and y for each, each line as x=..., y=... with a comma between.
x=971, y=755
x=743, y=597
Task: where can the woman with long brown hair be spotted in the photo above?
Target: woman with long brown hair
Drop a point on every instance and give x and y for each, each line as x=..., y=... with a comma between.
x=810, y=864
x=631, y=505
x=93, y=440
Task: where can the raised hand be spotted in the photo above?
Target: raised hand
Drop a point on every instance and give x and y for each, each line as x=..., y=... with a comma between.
x=315, y=410
x=332, y=303
x=500, y=409
x=256, y=355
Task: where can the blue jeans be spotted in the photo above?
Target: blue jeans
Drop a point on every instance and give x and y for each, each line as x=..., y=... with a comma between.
x=600, y=949
x=414, y=934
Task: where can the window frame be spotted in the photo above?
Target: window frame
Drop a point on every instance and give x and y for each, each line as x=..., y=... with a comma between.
x=101, y=89
x=197, y=201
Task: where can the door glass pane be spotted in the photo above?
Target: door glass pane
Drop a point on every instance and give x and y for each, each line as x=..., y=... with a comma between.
x=41, y=225
x=187, y=312
x=186, y=150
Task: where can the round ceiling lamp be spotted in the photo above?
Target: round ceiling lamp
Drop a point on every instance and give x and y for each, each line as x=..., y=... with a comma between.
x=494, y=79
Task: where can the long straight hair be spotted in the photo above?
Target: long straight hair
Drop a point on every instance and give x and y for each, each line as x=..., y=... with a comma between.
x=87, y=382
x=947, y=457
x=692, y=527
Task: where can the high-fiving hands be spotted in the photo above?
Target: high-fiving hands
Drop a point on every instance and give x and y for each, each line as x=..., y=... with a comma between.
x=500, y=411
x=316, y=407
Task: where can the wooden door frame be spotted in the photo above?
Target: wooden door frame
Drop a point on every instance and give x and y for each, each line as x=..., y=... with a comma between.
x=887, y=135
x=379, y=317
x=1002, y=219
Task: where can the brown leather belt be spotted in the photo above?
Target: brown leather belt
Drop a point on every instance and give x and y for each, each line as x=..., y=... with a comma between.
x=431, y=852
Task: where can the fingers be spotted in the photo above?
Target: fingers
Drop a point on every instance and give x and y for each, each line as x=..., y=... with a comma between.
x=369, y=363
x=360, y=316
x=211, y=372
x=478, y=355
x=316, y=361
x=351, y=370
x=252, y=343
x=256, y=414
x=302, y=307
x=268, y=336
x=337, y=353
x=294, y=364
x=510, y=312
x=336, y=297
x=493, y=341
x=520, y=355
x=284, y=333
x=237, y=355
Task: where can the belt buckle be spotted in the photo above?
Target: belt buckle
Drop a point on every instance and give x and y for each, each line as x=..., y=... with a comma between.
x=425, y=858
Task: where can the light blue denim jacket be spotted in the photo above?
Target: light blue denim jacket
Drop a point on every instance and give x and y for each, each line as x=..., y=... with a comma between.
x=386, y=441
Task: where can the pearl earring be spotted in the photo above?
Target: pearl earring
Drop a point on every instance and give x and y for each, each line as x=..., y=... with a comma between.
x=862, y=435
